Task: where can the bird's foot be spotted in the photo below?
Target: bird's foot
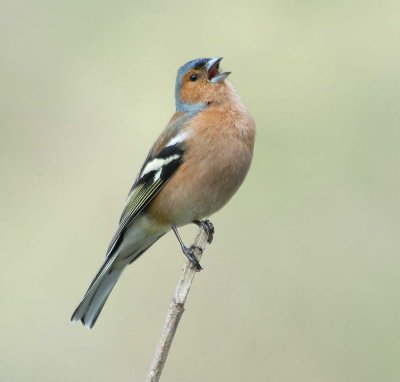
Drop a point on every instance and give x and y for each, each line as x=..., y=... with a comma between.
x=208, y=227
x=189, y=253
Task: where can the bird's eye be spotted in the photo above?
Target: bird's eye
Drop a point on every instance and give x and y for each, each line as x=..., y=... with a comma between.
x=193, y=77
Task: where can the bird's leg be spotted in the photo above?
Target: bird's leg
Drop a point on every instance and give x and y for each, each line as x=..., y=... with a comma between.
x=208, y=227
x=188, y=252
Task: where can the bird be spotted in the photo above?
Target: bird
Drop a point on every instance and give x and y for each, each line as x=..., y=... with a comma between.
x=192, y=170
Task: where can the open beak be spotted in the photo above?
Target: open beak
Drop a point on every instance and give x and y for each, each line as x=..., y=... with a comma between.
x=214, y=75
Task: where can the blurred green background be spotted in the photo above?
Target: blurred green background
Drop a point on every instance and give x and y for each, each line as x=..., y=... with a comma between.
x=302, y=281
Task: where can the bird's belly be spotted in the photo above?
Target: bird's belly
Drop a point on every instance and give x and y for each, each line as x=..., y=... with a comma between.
x=197, y=191
x=138, y=236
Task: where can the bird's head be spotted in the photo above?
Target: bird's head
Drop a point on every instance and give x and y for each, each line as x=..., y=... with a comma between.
x=198, y=84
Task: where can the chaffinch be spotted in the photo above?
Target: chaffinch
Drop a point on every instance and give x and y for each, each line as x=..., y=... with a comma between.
x=193, y=169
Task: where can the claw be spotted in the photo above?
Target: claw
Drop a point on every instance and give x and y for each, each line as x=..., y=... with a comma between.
x=208, y=227
x=188, y=252
x=192, y=258
x=193, y=247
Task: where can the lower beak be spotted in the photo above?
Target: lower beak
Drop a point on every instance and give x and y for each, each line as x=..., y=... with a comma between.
x=214, y=75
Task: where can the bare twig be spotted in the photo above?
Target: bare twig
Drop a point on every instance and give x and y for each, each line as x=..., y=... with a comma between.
x=175, y=311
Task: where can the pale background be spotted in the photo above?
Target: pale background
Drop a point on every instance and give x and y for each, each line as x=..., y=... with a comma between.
x=302, y=282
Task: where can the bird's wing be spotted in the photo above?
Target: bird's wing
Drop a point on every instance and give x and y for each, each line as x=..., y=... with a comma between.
x=159, y=167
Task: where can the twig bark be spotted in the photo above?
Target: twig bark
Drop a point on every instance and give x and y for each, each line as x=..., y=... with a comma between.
x=175, y=311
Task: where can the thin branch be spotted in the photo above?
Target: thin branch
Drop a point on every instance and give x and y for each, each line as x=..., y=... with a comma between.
x=175, y=311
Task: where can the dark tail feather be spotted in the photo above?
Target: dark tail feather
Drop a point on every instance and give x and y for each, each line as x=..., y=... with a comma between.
x=92, y=303
x=97, y=294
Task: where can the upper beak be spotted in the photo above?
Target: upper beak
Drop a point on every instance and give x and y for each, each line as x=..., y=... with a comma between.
x=214, y=75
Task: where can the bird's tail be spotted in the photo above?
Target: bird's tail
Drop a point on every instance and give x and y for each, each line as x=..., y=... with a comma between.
x=92, y=303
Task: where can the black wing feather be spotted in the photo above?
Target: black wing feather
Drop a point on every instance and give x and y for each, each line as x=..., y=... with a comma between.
x=146, y=187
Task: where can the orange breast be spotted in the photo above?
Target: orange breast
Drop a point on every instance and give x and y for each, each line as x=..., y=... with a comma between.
x=218, y=156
